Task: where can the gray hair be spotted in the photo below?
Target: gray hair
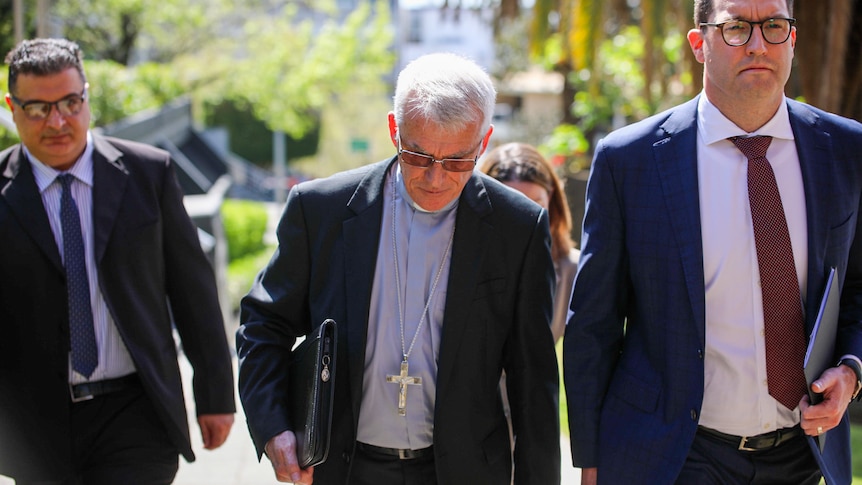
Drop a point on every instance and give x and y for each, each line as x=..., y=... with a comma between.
x=43, y=57
x=448, y=90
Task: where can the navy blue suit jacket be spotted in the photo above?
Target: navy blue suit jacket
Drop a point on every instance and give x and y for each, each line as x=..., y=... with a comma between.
x=634, y=396
x=496, y=317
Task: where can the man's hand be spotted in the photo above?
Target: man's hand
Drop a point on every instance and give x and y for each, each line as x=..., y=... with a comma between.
x=589, y=476
x=214, y=429
x=281, y=451
x=837, y=385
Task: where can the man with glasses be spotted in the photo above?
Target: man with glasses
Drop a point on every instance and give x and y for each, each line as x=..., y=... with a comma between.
x=709, y=235
x=98, y=260
x=439, y=278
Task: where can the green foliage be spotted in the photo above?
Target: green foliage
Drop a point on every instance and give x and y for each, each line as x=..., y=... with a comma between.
x=287, y=68
x=251, y=139
x=242, y=272
x=621, y=95
x=7, y=137
x=245, y=225
x=117, y=91
x=564, y=415
x=117, y=29
x=567, y=146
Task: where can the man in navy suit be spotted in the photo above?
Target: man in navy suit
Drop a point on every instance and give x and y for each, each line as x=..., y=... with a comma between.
x=436, y=275
x=665, y=353
x=90, y=386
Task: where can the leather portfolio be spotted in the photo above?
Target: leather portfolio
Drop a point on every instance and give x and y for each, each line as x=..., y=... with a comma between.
x=312, y=387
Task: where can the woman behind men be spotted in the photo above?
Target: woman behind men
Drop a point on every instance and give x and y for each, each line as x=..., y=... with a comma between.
x=523, y=168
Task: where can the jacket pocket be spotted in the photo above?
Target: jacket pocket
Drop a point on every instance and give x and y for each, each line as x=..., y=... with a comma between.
x=634, y=391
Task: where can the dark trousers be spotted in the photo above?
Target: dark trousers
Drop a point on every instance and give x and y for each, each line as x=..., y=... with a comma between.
x=712, y=461
x=117, y=438
x=373, y=469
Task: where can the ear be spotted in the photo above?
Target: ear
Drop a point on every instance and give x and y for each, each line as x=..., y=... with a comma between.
x=9, y=102
x=793, y=38
x=695, y=40
x=486, y=139
x=393, y=129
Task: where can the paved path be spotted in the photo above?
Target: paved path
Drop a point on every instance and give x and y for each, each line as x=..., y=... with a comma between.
x=235, y=462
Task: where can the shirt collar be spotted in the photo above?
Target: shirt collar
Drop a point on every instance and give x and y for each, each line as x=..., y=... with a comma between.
x=82, y=169
x=713, y=126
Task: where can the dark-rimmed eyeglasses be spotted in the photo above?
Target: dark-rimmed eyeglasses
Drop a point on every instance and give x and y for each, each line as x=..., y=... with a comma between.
x=422, y=160
x=738, y=32
x=40, y=110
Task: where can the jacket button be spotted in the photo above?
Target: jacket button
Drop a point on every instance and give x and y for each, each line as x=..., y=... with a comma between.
x=346, y=457
x=700, y=353
x=694, y=414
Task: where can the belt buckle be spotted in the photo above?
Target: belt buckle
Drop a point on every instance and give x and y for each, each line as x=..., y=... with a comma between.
x=404, y=455
x=742, y=444
x=78, y=399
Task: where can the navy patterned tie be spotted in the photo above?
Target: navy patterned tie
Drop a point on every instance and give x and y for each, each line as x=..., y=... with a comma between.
x=784, y=332
x=84, y=351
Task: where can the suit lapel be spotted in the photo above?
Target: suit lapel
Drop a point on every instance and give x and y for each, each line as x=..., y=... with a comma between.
x=814, y=147
x=471, y=235
x=109, y=183
x=361, y=238
x=676, y=160
x=21, y=193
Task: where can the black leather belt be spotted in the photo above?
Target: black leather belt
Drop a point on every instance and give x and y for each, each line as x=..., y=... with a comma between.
x=755, y=443
x=88, y=390
x=394, y=452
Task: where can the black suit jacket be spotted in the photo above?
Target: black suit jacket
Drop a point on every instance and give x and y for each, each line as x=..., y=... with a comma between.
x=151, y=268
x=497, y=315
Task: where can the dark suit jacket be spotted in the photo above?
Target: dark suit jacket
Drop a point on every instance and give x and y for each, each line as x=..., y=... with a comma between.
x=496, y=317
x=150, y=266
x=634, y=399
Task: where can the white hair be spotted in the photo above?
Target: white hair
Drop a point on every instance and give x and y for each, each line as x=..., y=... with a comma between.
x=446, y=89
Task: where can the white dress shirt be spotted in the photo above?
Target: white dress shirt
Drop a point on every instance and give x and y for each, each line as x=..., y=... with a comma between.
x=736, y=399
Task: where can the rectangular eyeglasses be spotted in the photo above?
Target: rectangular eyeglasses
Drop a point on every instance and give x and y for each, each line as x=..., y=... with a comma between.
x=422, y=160
x=40, y=110
x=738, y=32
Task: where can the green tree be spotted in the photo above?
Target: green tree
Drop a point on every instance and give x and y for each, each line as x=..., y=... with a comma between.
x=118, y=29
x=828, y=71
x=284, y=60
x=289, y=68
x=117, y=91
x=568, y=34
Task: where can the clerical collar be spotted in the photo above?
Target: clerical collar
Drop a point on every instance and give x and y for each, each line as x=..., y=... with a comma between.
x=402, y=190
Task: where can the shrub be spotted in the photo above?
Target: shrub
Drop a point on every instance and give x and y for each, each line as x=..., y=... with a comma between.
x=245, y=225
x=242, y=272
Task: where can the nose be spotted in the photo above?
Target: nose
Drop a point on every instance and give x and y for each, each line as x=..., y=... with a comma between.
x=756, y=44
x=55, y=118
x=435, y=173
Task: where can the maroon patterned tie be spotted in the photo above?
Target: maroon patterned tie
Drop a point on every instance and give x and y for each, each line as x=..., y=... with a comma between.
x=782, y=305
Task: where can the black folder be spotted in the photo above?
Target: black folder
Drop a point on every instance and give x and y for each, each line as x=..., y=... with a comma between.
x=311, y=390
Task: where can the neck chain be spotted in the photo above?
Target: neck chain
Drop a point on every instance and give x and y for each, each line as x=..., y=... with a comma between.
x=406, y=353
